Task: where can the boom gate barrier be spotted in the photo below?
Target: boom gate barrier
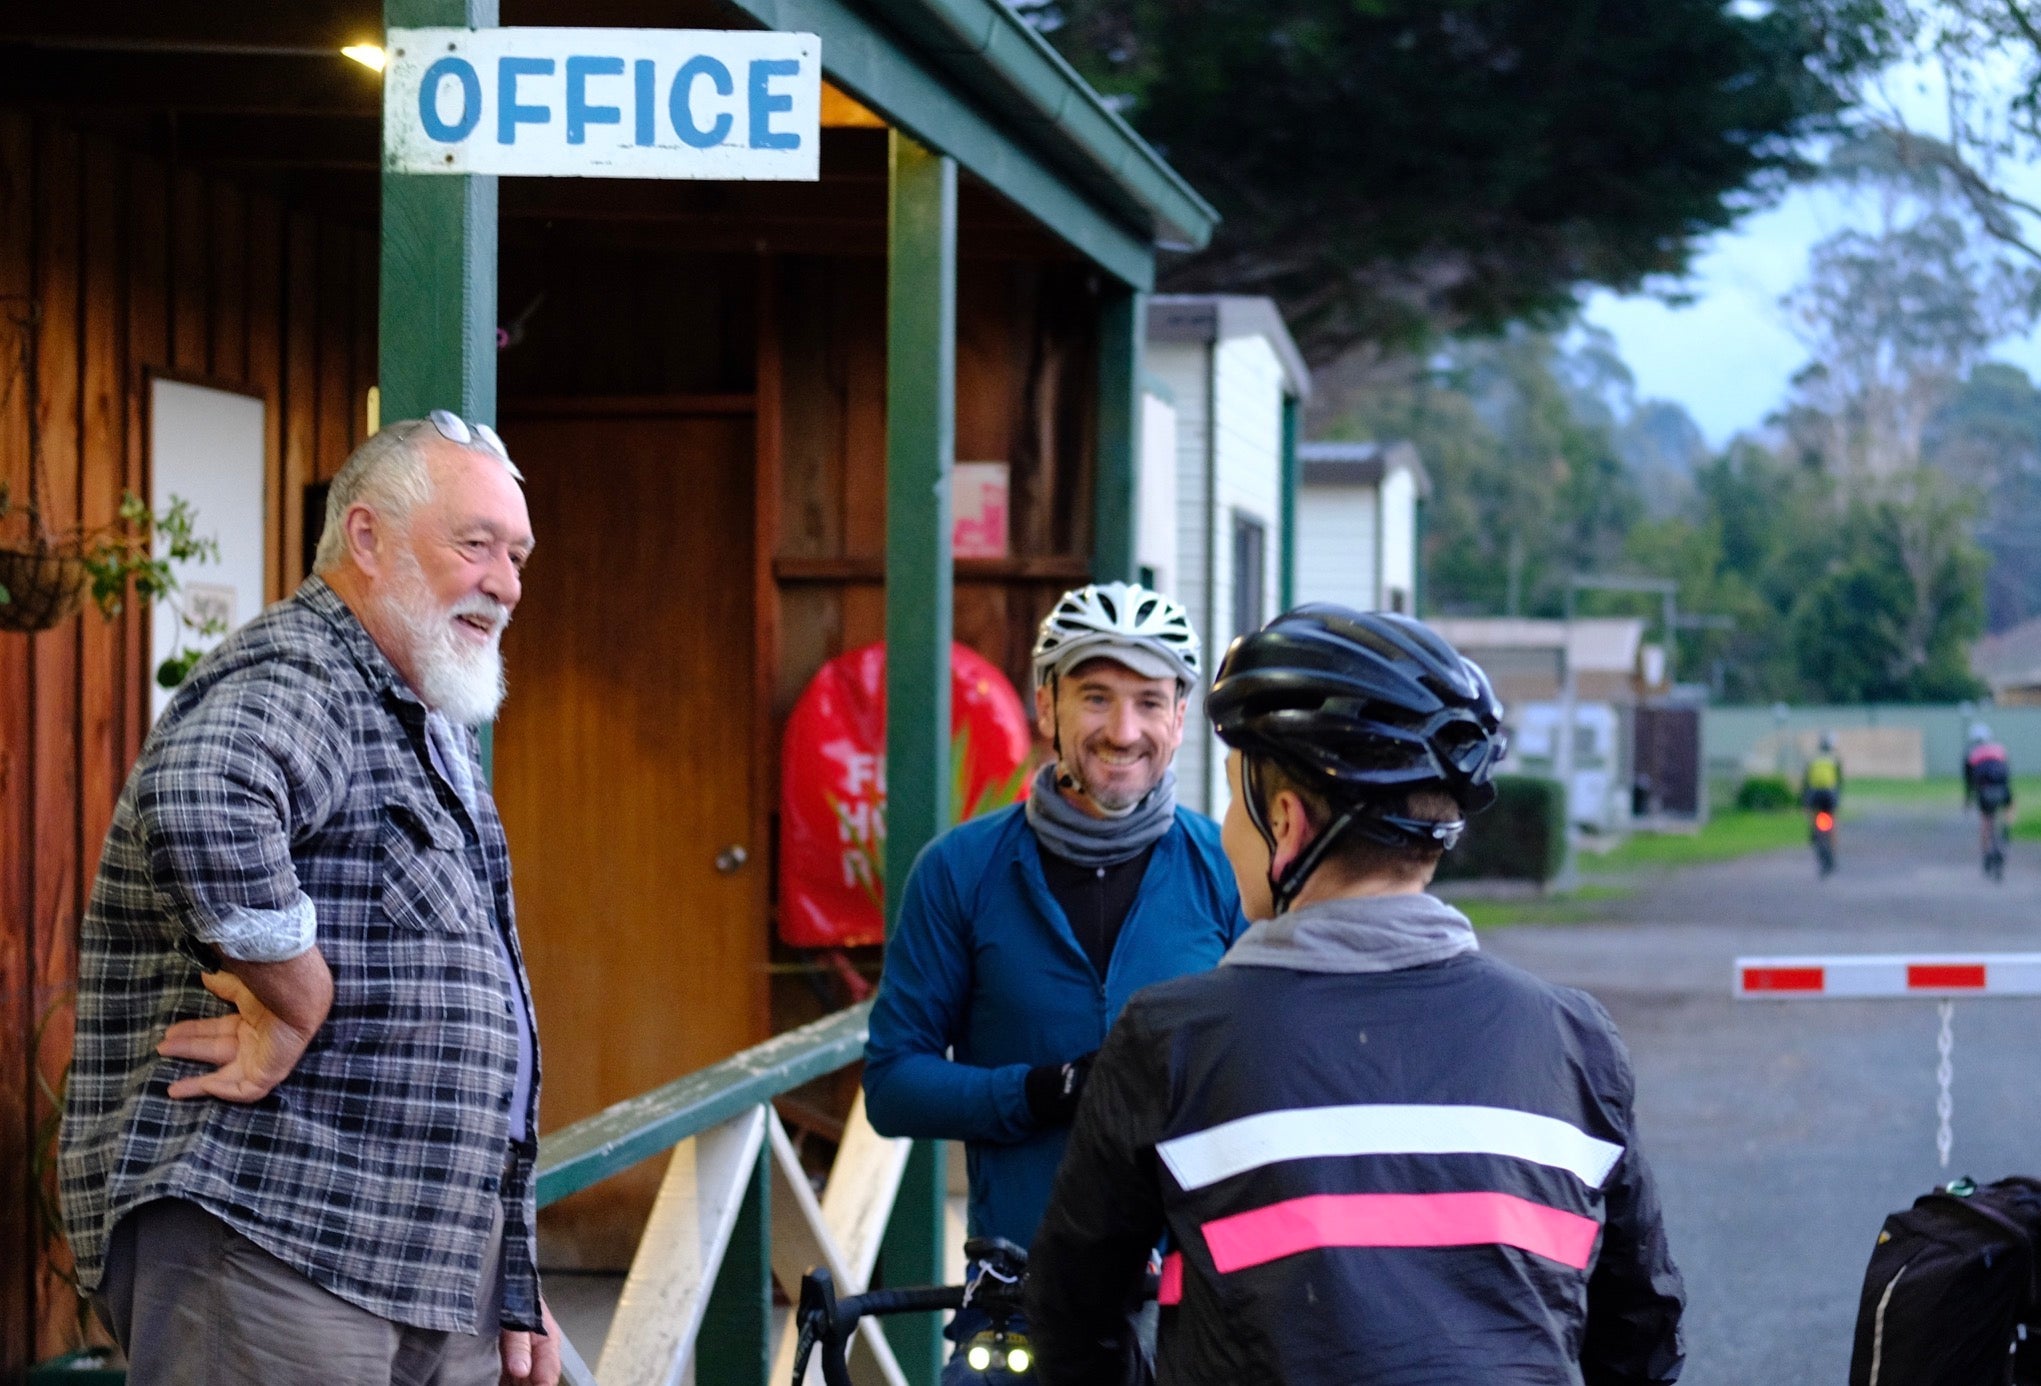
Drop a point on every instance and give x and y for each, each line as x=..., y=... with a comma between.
x=1944, y=976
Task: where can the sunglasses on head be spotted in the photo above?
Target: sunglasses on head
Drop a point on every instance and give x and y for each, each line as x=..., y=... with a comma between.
x=455, y=429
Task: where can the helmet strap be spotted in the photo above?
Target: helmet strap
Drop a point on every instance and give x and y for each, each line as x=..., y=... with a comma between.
x=1284, y=888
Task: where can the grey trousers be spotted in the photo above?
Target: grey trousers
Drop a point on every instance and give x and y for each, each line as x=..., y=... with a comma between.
x=194, y=1303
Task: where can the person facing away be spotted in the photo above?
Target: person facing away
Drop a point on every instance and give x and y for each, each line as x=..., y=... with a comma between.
x=1022, y=932
x=1821, y=787
x=1379, y=1155
x=1987, y=770
x=299, y=1138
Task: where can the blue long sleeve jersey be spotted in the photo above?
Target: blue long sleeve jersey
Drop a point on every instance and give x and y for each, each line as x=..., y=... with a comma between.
x=985, y=979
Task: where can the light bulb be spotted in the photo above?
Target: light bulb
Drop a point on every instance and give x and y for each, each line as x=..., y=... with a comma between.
x=369, y=55
x=979, y=1357
x=1018, y=1361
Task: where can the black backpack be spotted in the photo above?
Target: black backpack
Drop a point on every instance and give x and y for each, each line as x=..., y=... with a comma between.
x=1951, y=1288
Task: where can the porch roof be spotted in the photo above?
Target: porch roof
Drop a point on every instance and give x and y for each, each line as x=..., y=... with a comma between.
x=967, y=77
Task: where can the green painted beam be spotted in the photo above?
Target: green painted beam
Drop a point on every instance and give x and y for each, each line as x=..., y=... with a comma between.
x=911, y=1253
x=640, y=1127
x=921, y=363
x=1001, y=55
x=1293, y=482
x=869, y=62
x=436, y=289
x=1116, y=505
x=737, y=1342
x=436, y=344
x=1417, y=581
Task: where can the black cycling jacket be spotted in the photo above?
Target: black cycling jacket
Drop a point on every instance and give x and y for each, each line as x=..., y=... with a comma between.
x=1402, y=1178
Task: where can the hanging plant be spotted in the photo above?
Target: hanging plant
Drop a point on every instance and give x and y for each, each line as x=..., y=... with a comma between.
x=44, y=576
x=45, y=573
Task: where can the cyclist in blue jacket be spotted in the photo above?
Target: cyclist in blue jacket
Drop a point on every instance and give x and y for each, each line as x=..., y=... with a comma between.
x=1022, y=933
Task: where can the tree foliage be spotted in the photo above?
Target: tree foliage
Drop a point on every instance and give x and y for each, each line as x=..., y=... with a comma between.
x=1818, y=586
x=1528, y=485
x=1388, y=169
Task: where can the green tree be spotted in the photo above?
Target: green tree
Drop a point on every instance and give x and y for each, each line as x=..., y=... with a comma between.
x=1988, y=436
x=1389, y=170
x=1526, y=490
x=1893, y=617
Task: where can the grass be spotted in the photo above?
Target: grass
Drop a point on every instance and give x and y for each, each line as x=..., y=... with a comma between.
x=1727, y=835
x=1574, y=907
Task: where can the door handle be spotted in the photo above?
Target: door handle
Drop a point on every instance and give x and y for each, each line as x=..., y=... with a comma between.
x=732, y=858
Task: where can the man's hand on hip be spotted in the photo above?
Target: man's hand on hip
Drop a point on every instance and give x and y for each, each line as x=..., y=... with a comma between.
x=278, y=1007
x=531, y=1359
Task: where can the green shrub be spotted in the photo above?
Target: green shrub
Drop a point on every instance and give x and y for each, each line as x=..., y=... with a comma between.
x=1521, y=837
x=1765, y=794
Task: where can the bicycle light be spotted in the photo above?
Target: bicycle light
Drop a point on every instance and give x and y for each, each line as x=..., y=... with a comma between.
x=1824, y=821
x=993, y=1350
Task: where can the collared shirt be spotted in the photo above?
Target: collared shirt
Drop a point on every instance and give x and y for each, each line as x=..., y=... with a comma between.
x=295, y=763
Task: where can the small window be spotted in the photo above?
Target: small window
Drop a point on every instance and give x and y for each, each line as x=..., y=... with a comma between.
x=1250, y=550
x=1146, y=577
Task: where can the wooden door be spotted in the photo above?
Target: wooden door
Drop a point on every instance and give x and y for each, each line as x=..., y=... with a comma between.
x=623, y=769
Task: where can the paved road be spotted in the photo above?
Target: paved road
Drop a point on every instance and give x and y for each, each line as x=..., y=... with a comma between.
x=1783, y=1132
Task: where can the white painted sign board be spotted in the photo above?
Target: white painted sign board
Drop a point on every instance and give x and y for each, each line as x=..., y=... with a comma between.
x=604, y=103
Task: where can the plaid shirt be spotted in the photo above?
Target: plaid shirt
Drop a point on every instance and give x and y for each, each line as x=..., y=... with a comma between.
x=295, y=760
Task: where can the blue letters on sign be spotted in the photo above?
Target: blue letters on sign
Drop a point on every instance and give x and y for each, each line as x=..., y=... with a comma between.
x=678, y=102
x=461, y=70
x=765, y=103
x=642, y=73
x=581, y=115
x=510, y=115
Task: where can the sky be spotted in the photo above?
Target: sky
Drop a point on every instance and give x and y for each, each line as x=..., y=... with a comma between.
x=1728, y=355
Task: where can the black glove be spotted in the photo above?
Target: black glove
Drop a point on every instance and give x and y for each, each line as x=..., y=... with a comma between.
x=1053, y=1090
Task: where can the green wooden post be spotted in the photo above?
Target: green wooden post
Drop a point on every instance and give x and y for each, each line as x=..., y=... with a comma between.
x=1117, y=505
x=436, y=337
x=1293, y=481
x=921, y=350
x=737, y=1341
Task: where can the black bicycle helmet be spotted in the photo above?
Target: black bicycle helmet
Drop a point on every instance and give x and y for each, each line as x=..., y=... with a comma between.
x=1361, y=707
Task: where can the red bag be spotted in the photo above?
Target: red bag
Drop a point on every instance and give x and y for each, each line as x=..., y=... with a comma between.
x=833, y=787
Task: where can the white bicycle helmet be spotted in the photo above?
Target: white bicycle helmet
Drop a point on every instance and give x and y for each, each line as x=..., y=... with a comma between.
x=1122, y=621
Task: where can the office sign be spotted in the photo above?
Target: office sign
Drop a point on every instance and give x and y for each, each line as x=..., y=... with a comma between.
x=603, y=103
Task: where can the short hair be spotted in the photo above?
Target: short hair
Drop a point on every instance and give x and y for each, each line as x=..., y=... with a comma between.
x=1353, y=855
x=388, y=471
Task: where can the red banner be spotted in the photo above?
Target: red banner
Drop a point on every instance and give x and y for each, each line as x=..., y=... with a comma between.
x=833, y=787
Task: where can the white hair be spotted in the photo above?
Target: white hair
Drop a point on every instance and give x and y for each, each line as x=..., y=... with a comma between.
x=389, y=473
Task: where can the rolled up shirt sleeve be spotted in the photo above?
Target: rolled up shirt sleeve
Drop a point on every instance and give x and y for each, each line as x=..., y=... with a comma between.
x=257, y=763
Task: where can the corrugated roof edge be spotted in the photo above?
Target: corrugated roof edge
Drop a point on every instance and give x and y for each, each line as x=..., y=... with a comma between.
x=1211, y=317
x=1021, y=63
x=1335, y=463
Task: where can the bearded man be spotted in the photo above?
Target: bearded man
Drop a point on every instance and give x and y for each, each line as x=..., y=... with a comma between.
x=299, y=1139
x=1022, y=933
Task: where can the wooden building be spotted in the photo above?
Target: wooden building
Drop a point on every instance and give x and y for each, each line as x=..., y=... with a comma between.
x=730, y=430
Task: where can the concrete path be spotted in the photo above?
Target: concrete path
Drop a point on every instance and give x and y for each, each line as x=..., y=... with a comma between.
x=1783, y=1132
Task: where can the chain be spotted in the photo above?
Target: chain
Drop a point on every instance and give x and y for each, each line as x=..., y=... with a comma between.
x=1945, y=1044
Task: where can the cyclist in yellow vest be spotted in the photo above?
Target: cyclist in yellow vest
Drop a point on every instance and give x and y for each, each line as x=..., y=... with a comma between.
x=1821, y=789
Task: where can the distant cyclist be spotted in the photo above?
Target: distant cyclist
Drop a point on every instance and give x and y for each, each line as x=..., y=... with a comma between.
x=1988, y=779
x=1821, y=788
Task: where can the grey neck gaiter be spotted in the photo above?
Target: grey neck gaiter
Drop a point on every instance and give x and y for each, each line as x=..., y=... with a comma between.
x=1074, y=835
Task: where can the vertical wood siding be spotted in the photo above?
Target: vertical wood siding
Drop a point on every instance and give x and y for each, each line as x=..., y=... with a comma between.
x=114, y=266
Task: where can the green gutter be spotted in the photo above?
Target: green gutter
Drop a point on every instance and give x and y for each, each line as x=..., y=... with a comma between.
x=1002, y=56
x=1293, y=478
x=901, y=85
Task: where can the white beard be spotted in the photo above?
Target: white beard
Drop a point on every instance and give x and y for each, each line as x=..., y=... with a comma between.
x=463, y=681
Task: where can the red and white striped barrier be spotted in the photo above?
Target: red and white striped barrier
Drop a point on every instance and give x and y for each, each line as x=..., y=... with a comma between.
x=1878, y=975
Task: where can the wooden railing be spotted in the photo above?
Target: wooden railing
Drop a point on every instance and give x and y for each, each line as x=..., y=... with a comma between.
x=734, y=1213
